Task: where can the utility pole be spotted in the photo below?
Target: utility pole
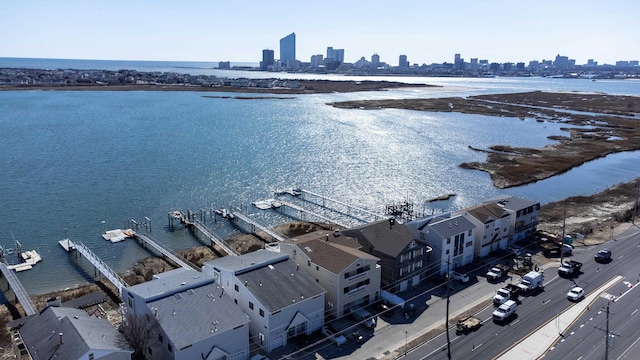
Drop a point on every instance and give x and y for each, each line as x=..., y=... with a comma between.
x=635, y=206
x=564, y=226
x=447, y=315
x=608, y=334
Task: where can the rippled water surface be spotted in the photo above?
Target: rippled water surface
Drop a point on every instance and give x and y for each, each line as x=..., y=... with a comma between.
x=87, y=161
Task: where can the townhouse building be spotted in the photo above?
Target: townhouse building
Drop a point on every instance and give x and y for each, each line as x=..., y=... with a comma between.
x=403, y=256
x=525, y=216
x=68, y=333
x=451, y=239
x=351, y=277
x=281, y=300
x=493, y=227
x=191, y=317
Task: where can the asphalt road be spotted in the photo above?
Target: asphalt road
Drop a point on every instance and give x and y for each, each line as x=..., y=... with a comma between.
x=491, y=340
x=586, y=338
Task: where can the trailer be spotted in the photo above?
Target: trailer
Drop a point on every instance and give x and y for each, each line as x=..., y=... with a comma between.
x=467, y=324
x=554, y=248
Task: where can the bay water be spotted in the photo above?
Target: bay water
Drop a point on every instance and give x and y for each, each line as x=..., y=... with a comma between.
x=87, y=161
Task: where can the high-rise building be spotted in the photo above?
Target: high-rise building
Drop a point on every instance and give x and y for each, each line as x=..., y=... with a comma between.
x=288, y=50
x=316, y=61
x=403, y=63
x=330, y=54
x=375, y=59
x=268, y=59
x=339, y=55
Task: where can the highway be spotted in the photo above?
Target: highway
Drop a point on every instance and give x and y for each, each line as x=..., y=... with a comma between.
x=585, y=338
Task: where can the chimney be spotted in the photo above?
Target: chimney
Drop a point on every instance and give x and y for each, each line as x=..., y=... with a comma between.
x=60, y=339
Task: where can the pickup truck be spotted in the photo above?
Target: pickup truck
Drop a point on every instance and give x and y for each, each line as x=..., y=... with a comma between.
x=569, y=268
x=509, y=292
x=497, y=272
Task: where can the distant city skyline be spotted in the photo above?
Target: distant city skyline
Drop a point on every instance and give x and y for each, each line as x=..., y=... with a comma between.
x=423, y=31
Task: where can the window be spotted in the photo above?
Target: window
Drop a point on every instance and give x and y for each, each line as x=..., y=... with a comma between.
x=317, y=267
x=91, y=356
x=160, y=338
x=169, y=347
x=448, y=241
x=469, y=243
x=261, y=312
x=236, y=288
x=250, y=305
x=447, y=252
x=469, y=233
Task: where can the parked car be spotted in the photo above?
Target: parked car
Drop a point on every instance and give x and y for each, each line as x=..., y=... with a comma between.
x=459, y=276
x=337, y=339
x=603, y=255
x=575, y=294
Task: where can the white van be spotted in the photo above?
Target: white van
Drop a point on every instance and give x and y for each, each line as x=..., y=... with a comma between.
x=504, y=311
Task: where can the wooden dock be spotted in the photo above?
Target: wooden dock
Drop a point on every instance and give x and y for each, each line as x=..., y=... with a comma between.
x=191, y=221
x=325, y=199
x=307, y=211
x=255, y=225
x=16, y=286
x=99, y=265
x=170, y=254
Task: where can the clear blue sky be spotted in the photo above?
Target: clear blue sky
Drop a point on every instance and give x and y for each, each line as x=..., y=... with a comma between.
x=427, y=31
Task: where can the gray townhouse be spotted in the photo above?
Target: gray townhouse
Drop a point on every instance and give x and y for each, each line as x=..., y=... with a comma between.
x=281, y=299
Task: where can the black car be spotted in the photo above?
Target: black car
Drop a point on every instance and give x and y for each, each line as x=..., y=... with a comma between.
x=604, y=255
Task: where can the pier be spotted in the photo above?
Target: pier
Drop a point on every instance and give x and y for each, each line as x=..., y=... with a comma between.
x=98, y=264
x=13, y=284
x=303, y=210
x=301, y=192
x=192, y=222
x=255, y=225
x=170, y=254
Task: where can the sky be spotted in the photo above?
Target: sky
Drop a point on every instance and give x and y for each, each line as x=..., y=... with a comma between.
x=426, y=31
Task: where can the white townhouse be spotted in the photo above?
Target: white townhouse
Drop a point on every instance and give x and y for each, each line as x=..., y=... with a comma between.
x=192, y=317
x=281, y=299
x=450, y=237
x=524, y=218
x=493, y=227
x=351, y=277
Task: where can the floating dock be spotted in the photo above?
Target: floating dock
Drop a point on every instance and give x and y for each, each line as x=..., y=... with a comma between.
x=117, y=235
x=267, y=204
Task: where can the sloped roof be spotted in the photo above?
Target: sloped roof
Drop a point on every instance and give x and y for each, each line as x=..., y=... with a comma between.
x=193, y=315
x=280, y=284
x=331, y=256
x=167, y=284
x=512, y=203
x=387, y=239
x=333, y=252
x=487, y=212
x=80, y=334
x=451, y=227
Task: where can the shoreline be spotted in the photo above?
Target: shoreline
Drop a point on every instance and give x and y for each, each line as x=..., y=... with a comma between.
x=601, y=124
x=305, y=87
